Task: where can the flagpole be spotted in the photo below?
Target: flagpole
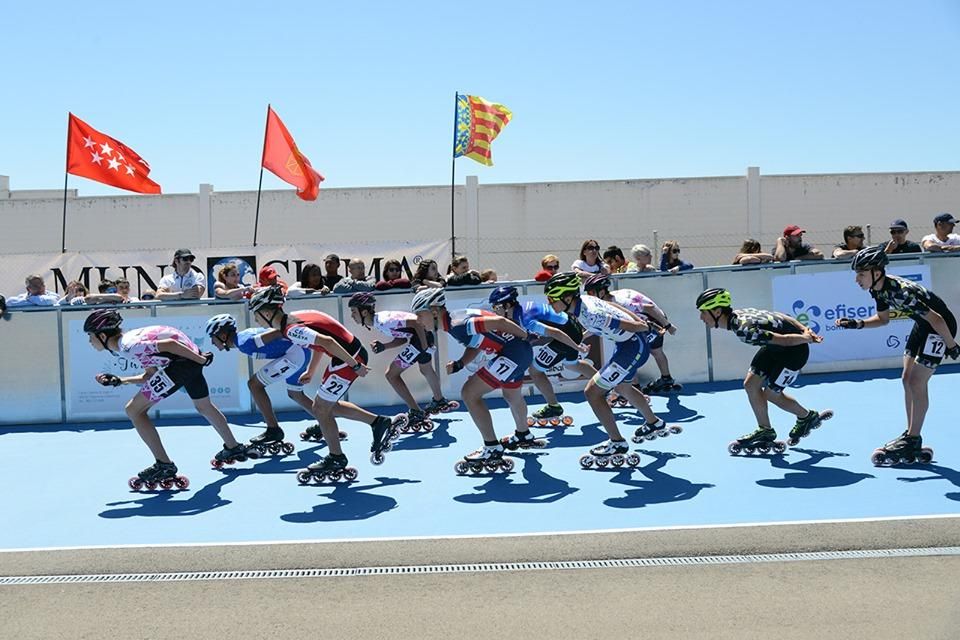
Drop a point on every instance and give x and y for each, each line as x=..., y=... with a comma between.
x=63, y=230
x=256, y=219
x=453, y=178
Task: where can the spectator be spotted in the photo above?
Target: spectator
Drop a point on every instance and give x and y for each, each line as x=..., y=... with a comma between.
x=549, y=266
x=269, y=277
x=36, y=294
x=311, y=281
x=358, y=280
x=750, y=253
x=331, y=264
x=852, y=243
x=488, y=275
x=898, y=239
x=107, y=294
x=228, y=285
x=427, y=275
x=616, y=263
x=185, y=283
x=74, y=293
x=670, y=258
x=123, y=290
x=943, y=239
x=3, y=306
x=589, y=262
x=790, y=246
x=459, y=273
x=642, y=259
x=148, y=296
x=393, y=277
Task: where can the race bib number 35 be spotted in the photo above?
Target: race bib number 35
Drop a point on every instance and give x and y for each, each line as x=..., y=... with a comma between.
x=160, y=383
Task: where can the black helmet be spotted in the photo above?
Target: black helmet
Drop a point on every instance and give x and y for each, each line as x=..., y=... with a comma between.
x=561, y=284
x=596, y=282
x=102, y=321
x=870, y=258
x=363, y=300
x=271, y=296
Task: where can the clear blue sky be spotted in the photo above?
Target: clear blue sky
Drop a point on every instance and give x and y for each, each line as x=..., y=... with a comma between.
x=600, y=90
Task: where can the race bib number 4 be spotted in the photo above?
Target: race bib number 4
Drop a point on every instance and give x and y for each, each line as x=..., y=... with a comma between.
x=502, y=368
x=786, y=378
x=934, y=346
x=160, y=383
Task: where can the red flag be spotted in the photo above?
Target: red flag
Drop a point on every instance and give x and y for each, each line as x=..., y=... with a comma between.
x=284, y=160
x=97, y=156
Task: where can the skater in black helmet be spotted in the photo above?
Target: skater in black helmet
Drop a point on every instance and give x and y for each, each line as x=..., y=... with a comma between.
x=931, y=339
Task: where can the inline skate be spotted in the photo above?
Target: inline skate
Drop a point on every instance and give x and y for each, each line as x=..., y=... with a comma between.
x=417, y=421
x=906, y=449
x=763, y=440
x=238, y=453
x=315, y=434
x=441, y=405
x=522, y=440
x=486, y=458
x=551, y=414
x=159, y=474
x=663, y=384
x=613, y=453
x=271, y=441
x=615, y=400
x=385, y=431
x=659, y=429
x=805, y=425
x=332, y=467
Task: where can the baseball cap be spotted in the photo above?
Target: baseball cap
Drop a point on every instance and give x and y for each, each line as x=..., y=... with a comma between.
x=267, y=275
x=793, y=230
x=945, y=217
x=899, y=223
x=183, y=253
x=332, y=258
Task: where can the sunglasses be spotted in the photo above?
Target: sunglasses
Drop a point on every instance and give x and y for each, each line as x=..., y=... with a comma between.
x=188, y=258
x=894, y=232
x=593, y=247
x=857, y=235
x=675, y=251
x=552, y=267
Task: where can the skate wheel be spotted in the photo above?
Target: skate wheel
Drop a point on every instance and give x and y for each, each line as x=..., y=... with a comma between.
x=763, y=448
x=287, y=448
x=491, y=465
x=567, y=421
x=319, y=477
x=377, y=458
x=531, y=422
x=182, y=482
x=542, y=422
x=461, y=468
x=135, y=483
x=617, y=460
x=602, y=462
x=428, y=426
x=217, y=464
x=675, y=428
x=151, y=486
x=586, y=461
x=476, y=467
x=926, y=455
x=416, y=428
x=878, y=458
x=304, y=436
x=749, y=450
x=405, y=429
x=506, y=464
x=779, y=447
x=274, y=449
x=734, y=448
x=650, y=437
x=637, y=439
x=793, y=441
x=350, y=474
x=633, y=460
x=453, y=405
x=342, y=435
x=908, y=459
x=304, y=477
x=166, y=484
x=334, y=475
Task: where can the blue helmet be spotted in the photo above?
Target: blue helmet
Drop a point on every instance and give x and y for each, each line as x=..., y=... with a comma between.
x=503, y=295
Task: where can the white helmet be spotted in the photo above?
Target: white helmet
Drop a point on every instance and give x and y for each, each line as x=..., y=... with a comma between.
x=218, y=323
x=433, y=297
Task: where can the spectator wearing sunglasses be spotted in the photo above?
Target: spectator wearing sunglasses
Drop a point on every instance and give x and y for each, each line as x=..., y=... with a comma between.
x=393, y=277
x=549, y=266
x=898, y=239
x=185, y=283
x=790, y=246
x=670, y=258
x=589, y=262
x=852, y=243
x=642, y=259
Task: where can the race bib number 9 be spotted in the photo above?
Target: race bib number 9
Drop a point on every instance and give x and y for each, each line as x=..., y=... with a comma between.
x=502, y=368
x=786, y=378
x=334, y=387
x=160, y=383
x=409, y=354
x=934, y=346
x=613, y=374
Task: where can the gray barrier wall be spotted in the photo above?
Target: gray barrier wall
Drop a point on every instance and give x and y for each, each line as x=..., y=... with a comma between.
x=34, y=389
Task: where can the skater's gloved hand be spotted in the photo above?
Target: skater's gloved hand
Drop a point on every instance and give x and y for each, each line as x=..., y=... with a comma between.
x=376, y=346
x=108, y=380
x=454, y=366
x=583, y=348
x=954, y=352
x=670, y=329
x=207, y=358
x=849, y=323
x=360, y=369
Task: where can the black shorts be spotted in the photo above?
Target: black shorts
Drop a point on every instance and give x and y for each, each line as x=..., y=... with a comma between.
x=426, y=355
x=179, y=374
x=925, y=345
x=779, y=366
x=547, y=356
x=654, y=338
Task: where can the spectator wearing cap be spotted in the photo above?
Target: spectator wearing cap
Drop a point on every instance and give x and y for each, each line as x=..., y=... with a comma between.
x=331, y=264
x=549, y=266
x=642, y=259
x=898, y=239
x=185, y=283
x=790, y=246
x=852, y=243
x=393, y=277
x=35, y=295
x=943, y=239
x=358, y=280
x=268, y=277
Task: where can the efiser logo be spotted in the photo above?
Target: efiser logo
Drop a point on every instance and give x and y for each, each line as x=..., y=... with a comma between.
x=806, y=316
x=813, y=315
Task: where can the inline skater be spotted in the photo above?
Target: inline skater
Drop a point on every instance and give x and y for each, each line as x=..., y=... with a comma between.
x=483, y=331
x=170, y=361
x=322, y=334
x=784, y=350
x=931, y=338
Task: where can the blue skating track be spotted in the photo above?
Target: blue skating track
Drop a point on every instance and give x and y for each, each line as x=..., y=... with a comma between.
x=66, y=486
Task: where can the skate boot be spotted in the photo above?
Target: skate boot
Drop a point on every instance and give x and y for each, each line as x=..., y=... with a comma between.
x=615, y=400
x=271, y=441
x=385, y=431
x=804, y=425
x=332, y=467
x=488, y=457
x=237, y=454
x=612, y=452
x=315, y=434
x=417, y=421
x=663, y=384
x=162, y=474
x=551, y=414
x=906, y=449
x=441, y=405
x=763, y=440
x=654, y=430
x=522, y=440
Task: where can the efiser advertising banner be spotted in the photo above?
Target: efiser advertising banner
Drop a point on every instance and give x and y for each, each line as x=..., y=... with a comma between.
x=819, y=299
x=86, y=398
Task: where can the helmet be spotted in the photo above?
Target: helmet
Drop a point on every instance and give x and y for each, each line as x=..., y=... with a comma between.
x=433, y=297
x=102, y=320
x=561, y=284
x=218, y=323
x=271, y=296
x=870, y=258
x=363, y=300
x=713, y=299
x=596, y=282
x=502, y=295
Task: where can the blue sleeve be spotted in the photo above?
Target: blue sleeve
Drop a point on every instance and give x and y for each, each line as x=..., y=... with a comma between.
x=663, y=262
x=245, y=342
x=685, y=266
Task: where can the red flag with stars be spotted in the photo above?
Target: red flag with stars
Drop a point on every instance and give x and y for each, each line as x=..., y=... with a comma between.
x=282, y=158
x=95, y=155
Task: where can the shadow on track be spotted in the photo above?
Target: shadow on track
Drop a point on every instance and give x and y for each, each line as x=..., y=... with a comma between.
x=807, y=475
x=539, y=488
x=658, y=488
x=575, y=436
x=939, y=473
x=439, y=438
x=348, y=501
